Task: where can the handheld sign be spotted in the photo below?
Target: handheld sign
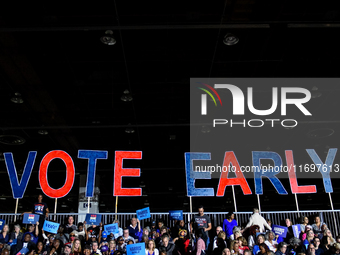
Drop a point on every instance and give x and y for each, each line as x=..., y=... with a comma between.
x=143, y=213
x=296, y=230
x=2, y=223
x=51, y=227
x=93, y=219
x=111, y=228
x=280, y=230
x=135, y=249
x=23, y=251
x=176, y=215
x=30, y=218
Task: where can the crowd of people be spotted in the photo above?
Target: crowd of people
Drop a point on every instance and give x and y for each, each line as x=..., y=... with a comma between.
x=197, y=237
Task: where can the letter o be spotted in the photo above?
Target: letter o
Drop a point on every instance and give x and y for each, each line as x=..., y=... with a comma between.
x=70, y=173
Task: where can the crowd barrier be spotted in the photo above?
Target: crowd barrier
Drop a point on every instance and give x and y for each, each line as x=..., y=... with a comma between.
x=331, y=218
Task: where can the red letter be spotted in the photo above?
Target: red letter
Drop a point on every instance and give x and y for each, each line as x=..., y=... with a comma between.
x=292, y=177
x=70, y=172
x=230, y=157
x=120, y=172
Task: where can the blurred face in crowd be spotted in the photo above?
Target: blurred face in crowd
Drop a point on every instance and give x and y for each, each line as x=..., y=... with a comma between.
x=56, y=243
x=317, y=219
x=87, y=252
x=31, y=228
x=263, y=250
x=76, y=244
x=311, y=249
x=305, y=220
x=201, y=211
x=94, y=246
x=17, y=229
x=40, y=246
x=112, y=244
x=40, y=197
x=5, y=228
x=260, y=240
x=283, y=249
x=70, y=220
x=133, y=221
x=181, y=223
x=310, y=233
x=120, y=241
x=80, y=228
x=271, y=236
x=126, y=233
x=67, y=249
x=218, y=230
x=165, y=241
x=329, y=233
x=150, y=245
x=240, y=243
x=288, y=222
x=160, y=224
x=226, y=251
x=27, y=238
x=117, y=221
x=5, y=252
x=316, y=242
x=236, y=246
x=72, y=237
x=146, y=232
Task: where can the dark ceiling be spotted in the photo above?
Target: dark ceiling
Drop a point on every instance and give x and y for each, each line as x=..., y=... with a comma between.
x=71, y=85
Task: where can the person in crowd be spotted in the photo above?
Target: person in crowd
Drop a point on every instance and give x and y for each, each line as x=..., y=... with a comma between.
x=201, y=221
x=234, y=246
x=337, y=239
x=269, y=222
x=135, y=229
x=112, y=247
x=309, y=238
x=327, y=232
x=264, y=250
x=105, y=250
x=121, y=244
x=282, y=248
x=58, y=246
x=72, y=237
x=150, y=248
x=67, y=249
x=92, y=231
x=326, y=243
x=237, y=232
x=260, y=239
x=16, y=234
x=34, y=232
x=317, y=226
x=257, y=219
x=228, y=225
x=95, y=249
x=290, y=233
x=317, y=245
x=5, y=234
x=252, y=237
x=182, y=242
x=226, y=251
x=76, y=247
x=26, y=242
x=80, y=232
x=41, y=209
x=61, y=236
x=103, y=239
x=220, y=245
x=243, y=244
x=311, y=249
x=146, y=232
x=222, y=235
x=87, y=250
x=70, y=225
x=270, y=241
x=200, y=243
x=178, y=227
x=120, y=230
x=304, y=235
x=126, y=235
x=304, y=223
x=159, y=226
x=48, y=241
x=39, y=249
x=218, y=230
x=294, y=246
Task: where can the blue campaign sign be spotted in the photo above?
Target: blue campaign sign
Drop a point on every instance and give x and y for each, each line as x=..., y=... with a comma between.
x=30, y=218
x=135, y=249
x=93, y=219
x=280, y=230
x=111, y=228
x=51, y=227
x=143, y=213
x=296, y=230
x=2, y=223
x=23, y=251
x=176, y=215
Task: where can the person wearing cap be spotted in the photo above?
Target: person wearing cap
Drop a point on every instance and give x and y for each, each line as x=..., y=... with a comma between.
x=103, y=239
x=67, y=249
x=105, y=250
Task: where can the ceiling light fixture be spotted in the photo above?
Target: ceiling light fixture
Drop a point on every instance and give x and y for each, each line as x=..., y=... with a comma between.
x=230, y=39
x=107, y=38
x=12, y=140
x=42, y=132
x=126, y=97
x=129, y=130
x=17, y=99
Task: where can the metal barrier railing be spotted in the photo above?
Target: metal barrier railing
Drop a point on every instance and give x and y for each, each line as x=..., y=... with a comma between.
x=331, y=218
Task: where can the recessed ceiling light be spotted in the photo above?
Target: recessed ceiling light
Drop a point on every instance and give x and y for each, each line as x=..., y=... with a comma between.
x=230, y=39
x=108, y=38
x=12, y=140
x=17, y=99
x=126, y=97
x=42, y=132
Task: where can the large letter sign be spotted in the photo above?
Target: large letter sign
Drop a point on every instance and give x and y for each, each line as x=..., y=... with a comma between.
x=70, y=172
x=127, y=172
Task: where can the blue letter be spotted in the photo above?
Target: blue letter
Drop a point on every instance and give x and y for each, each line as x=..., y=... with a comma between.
x=324, y=168
x=91, y=170
x=269, y=173
x=192, y=175
x=18, y=190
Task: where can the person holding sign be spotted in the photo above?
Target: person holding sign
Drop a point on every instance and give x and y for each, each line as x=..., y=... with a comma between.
x=135, y=229
x=41, y=209
x=25, y=243
x=33, y=231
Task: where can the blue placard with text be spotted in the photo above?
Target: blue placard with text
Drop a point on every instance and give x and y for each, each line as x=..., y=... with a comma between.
x=280, y=230
x=143, y=213
x=111, y=228
x=2, y=223
x=51, y=227
x=93, y=219
x=135, y=249
x=296, y=230
x=176, y=215
x=30, y=218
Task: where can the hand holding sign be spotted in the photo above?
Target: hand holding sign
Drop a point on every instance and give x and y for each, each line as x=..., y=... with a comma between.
x=93, y=219
x=112, y=228
x=30, y=218
x=51, y=227
x=143, y=213
x=2, y=223
x=280, y=230
x=135, y=249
